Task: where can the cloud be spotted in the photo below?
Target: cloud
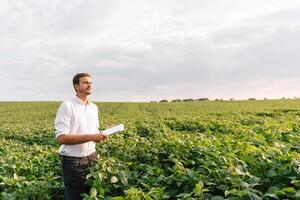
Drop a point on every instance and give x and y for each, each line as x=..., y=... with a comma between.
x=147, y=50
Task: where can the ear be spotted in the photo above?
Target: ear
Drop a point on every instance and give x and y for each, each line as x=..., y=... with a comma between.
x=76, y=87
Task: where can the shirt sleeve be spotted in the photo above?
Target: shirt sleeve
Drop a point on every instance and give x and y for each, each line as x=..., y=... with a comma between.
x=62, y=120
x=97, y=125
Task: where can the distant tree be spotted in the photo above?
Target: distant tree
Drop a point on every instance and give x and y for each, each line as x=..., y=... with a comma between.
x=283, y=98
x=202, y=99
x=163, y=101
x=231, y=99
x=217, y=100
x=153, y=101
x=188, y=100
x=265, y=98
x=176, y=100
x=251, y=99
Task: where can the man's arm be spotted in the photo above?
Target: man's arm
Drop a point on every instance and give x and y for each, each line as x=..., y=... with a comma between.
x=80, y=138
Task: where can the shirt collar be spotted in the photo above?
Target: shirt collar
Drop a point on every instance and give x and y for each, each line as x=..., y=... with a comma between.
x=78, y=100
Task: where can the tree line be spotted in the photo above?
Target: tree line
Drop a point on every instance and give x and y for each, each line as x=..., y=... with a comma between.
x=207, y=99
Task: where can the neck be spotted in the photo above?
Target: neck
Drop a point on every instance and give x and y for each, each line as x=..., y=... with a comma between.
x=83, y=98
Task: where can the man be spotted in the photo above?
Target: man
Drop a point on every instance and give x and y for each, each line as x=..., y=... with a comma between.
x=77, y=130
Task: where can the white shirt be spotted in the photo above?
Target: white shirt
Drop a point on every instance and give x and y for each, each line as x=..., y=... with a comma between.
x=74, y=117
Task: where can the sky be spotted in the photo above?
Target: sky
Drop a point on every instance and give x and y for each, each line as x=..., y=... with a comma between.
x=138, y=50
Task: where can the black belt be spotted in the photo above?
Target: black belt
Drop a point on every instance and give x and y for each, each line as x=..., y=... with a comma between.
x=90, y=157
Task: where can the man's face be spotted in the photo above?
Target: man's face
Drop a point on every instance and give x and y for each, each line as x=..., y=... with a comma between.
x=85, y=86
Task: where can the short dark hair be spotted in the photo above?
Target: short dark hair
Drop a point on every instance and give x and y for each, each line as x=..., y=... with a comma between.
x=78, y=76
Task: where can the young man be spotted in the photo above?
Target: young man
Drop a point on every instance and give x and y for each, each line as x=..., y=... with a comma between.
x=77, y=130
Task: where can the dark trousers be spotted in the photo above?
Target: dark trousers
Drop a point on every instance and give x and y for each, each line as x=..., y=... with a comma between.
x=75, y=170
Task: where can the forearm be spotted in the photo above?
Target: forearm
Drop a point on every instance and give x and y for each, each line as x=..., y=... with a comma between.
x=79, y=138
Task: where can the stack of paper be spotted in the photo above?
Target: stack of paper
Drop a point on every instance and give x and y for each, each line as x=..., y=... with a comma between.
x=113, y=130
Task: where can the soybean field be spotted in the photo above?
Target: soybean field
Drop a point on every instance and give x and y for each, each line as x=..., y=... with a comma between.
x=210, y=150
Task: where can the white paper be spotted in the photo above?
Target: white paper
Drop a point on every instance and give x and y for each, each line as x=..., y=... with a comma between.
x=113, y=130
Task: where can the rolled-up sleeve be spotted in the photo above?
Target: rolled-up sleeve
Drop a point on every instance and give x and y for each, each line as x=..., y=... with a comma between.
x=62, y=120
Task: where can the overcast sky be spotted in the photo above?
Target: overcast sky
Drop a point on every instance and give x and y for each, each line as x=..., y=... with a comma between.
x=138, y=50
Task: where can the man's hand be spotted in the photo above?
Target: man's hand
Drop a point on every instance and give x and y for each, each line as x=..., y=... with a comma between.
x=99, y=137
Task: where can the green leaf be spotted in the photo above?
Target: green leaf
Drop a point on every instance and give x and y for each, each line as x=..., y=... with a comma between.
x=272, y=196
x=118, y=198
x=288, y=190
x=273, y=189
x=217, y=198
x=198, y=189
x=296, y=182
x=93, y=192
x=16, y=177
x=271, y=173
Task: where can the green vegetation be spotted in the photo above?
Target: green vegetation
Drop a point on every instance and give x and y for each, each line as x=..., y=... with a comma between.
x=180, y=150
